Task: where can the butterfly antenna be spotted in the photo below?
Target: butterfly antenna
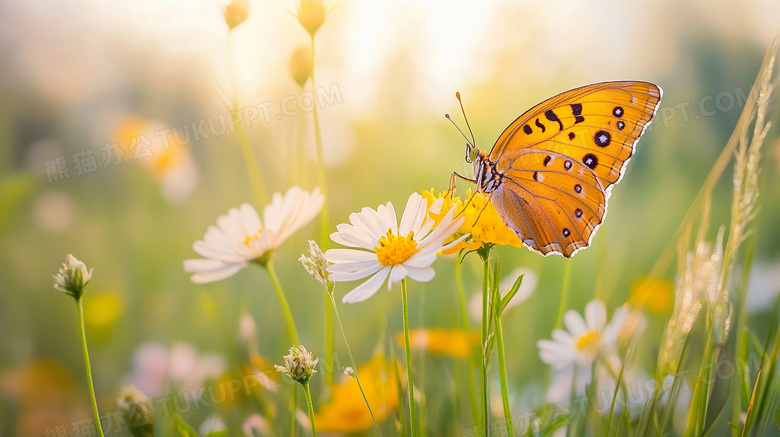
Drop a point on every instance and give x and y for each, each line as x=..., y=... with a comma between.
x=473, y=141
x=459, y=130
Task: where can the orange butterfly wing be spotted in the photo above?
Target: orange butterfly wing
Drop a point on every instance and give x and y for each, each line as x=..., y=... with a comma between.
x=560, y=159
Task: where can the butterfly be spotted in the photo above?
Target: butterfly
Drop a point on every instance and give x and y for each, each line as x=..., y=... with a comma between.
x=551, y=172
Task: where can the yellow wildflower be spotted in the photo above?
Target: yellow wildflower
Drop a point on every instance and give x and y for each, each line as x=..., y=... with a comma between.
x=456, y=343
x=346, y=412
x=482, y=220
x=655, y=294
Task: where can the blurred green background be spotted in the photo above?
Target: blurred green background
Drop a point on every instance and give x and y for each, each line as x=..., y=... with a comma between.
x=80, y=75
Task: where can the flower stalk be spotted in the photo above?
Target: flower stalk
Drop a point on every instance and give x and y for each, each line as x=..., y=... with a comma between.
x=88, y=367
x=310, y=408
x=288, y=317
x=405, y=306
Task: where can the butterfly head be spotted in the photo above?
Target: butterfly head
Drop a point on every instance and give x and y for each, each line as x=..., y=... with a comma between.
x=485, y=174
x=472, y=153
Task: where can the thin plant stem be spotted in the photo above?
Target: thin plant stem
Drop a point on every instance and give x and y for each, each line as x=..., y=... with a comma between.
x=399, y=389
x=564, y=295
x=465, y=321
x=324, y=215
x=502, y=375
x=311, y=409
x=352, y=361
x=255, y=179
x=329, y=339
x=405, y=305
x=701, y=393
x=485, y=281
x=269, y=266
x=88, y=368
x=618, y=381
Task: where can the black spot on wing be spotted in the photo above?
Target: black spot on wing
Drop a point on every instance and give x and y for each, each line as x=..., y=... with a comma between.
x=527, y=129
x=590, y=160
x=540, y=125
x=550, y=115
x=576, y=111
x=602, y=138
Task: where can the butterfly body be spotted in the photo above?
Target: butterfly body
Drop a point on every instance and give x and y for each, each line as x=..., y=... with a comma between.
x=550, y=173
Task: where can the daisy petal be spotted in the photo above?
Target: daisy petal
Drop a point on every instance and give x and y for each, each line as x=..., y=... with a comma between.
x=595, y=315
x=574, y=323
x=420, y=274
x=368, y=288
x=397, y=273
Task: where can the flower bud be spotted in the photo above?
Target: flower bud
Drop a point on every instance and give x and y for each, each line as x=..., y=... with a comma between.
x=311, y=15
x=316, y=264
x=300, y=65
x=137, y=410
x=236, y=12
x=299, y=364
x=72, y=277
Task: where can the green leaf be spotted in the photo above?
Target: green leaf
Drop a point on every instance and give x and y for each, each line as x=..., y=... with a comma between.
x=505, y=300
x=720, y=390
x=744, y=369
x=182, y=429
x=223, y=433
x=554, y=424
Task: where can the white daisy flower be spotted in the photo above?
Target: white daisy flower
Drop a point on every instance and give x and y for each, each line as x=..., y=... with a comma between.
x=240, y=237
x=577, y=347
x=584, y=340
x=386, y=250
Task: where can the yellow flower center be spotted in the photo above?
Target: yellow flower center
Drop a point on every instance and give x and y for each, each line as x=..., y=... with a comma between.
x=253, y=237
x=394, y=249
x=589, y=342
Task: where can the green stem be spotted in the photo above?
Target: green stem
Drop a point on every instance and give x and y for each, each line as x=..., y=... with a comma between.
x=324, y=215
x=502, y=375
x=564, y=294
x=618, y=381
x=269, y=266
x=256, y=180
x=412, y=416
x=311, y=409
x=485, y=281
x=352, y=361
x=329, y=339
x=92, y=398
x=465, y=321
x=701, y=392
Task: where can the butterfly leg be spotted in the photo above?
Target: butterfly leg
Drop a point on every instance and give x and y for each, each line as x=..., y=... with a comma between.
x=451, y=187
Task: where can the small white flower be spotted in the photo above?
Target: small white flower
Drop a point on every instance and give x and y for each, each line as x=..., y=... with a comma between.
x=584, y=340
x=574, y=350
x=386, y=250
x=72, y=277
x=240, y=237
